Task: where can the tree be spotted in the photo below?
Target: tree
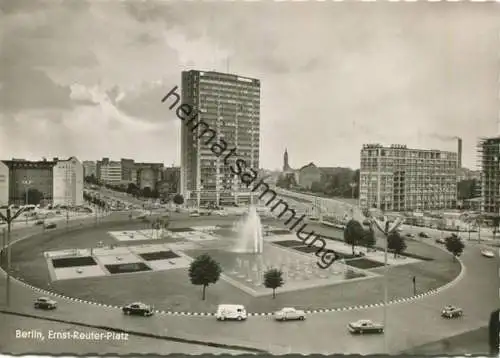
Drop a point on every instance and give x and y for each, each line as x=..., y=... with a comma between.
x=35, y=196
x=132, y=188
x=146, y=192
x=203, y=271
x=273, y=278
x=369, y=239
x=178, y=199
x=353, y=233
x=316, y=187
x=396, y=243
x=454, y=245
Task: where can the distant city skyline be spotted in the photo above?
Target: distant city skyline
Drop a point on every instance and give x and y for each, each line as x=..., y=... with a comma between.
x=413, y=74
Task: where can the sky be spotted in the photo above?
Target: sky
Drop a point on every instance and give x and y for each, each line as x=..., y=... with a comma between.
x=86, y=78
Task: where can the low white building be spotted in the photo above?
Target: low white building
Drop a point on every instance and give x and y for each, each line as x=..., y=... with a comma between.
x=68, y=182
x=4, y=184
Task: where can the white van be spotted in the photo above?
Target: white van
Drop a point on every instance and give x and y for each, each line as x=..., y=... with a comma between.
x=237, y=312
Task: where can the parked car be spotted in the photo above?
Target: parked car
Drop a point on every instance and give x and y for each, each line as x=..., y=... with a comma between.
x=39, y=222
x=45, y=303
x=50, y=225
x=424, y=235
x=410, y=235
x=365, y=326
x=289, y=313
x=231, y=312
x=194, y=214
x=440, y=241
x=487, y=253
x=451, y=312
x=138, y=308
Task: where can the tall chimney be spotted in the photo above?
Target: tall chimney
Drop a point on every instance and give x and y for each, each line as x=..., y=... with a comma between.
x=459, y=159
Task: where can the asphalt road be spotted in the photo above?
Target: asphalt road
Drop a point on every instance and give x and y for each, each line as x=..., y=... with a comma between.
x=114, y=344
x=408, y=325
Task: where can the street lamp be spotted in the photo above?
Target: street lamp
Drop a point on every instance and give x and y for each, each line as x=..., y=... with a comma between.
x=26, y=182
x=382, y=223
x=8, y=218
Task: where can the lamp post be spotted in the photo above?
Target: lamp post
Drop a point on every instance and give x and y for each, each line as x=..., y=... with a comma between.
x=8, y=218
x=384, y=226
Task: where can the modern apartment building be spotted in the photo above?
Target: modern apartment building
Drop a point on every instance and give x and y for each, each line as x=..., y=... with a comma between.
x=148, y=174
x=109, y=172
x=68, y=182
x=89, y=168
x=489, y=157
x=129, y=171
x=57, y=181
x=24, y=175
x=398, y=178
x=230, y=105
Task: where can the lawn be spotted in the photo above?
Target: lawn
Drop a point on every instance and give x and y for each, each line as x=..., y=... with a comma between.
x=364, y=264
x=171, y=289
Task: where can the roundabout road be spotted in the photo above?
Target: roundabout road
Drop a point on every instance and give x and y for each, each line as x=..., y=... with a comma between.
x=408, y=325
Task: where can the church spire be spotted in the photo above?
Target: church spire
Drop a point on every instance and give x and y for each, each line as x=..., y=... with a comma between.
x=285, y=161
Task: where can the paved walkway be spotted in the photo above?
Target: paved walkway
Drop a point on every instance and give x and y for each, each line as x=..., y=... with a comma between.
x=408, y=325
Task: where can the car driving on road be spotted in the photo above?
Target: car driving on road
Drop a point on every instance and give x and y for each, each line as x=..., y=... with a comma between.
x=233, y=312
x=487, y=253
x=451, y=312
x=45, y=303
x=50, y=225
x=440, y=241
x=289, y=313
x=424, y=235
x=365, y=326
x=138, y=308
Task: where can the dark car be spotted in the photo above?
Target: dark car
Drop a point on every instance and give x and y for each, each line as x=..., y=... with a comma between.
x=451, y=312
x=365, y=326
x=39, y=222
x=138, y=308
x=50, y=225
x=45, y=303
x=424, y=235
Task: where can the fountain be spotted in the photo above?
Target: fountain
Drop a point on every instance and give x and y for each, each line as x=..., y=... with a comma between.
x=249, y=229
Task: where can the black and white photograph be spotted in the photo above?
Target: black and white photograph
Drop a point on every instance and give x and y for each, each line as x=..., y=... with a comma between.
x=249, y=177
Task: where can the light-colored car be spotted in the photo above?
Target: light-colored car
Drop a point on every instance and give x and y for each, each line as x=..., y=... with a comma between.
x=194, y=214
x=451, y=312
x=231, y=312
x=365, y=326
x=220, y=213
x=289, y=314
x=45, y=303
x=487, y=253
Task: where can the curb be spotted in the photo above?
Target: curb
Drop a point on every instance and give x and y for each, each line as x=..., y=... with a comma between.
x=266, y=314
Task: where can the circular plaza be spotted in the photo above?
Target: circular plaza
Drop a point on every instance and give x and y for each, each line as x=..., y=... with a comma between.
x=116, y=263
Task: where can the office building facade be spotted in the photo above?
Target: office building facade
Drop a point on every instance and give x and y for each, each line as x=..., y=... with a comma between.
x=230, y=105
x=489, y=160
x=109, y=172
x=397, y=178
x=89, y=168
x=68, y=182
x=25, y=176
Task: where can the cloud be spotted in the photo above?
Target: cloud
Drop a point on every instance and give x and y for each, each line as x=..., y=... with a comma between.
x=350, y=74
